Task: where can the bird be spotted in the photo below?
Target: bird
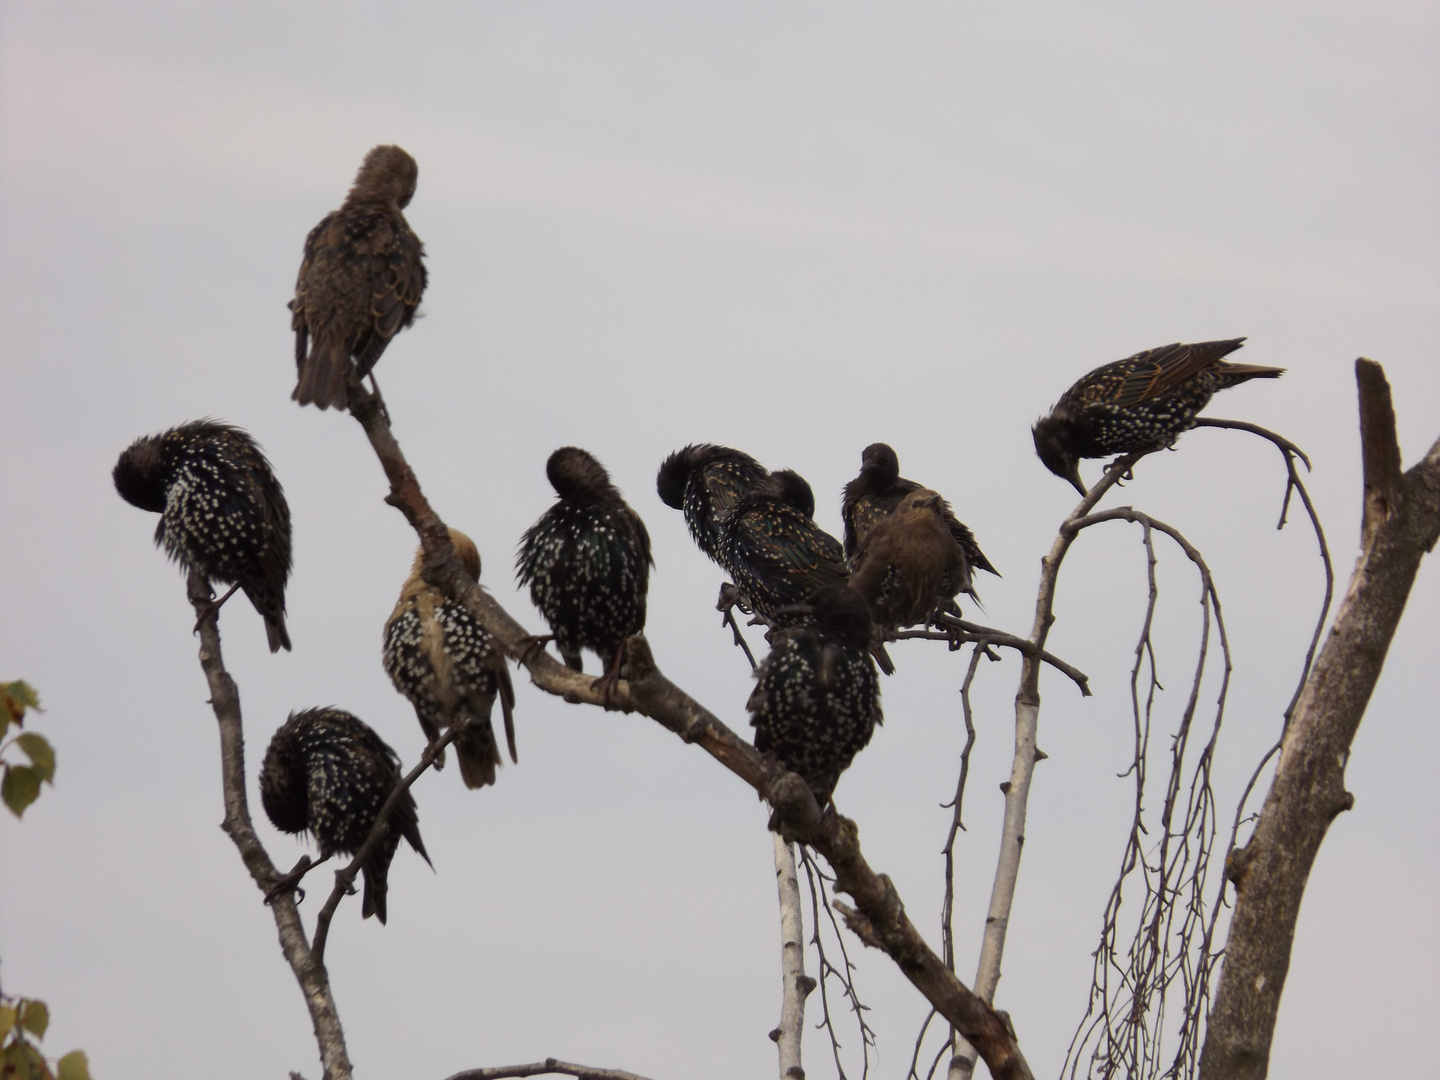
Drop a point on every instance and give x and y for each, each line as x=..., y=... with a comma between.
x=587, y=562
x=773, y=550
x=817, y=698
x=909, y=564
x=1138, y=404
x=878, y=490
x=450, y=668
x=705, y=481
x=222, y=512
x=326, y=772
x=360, y=281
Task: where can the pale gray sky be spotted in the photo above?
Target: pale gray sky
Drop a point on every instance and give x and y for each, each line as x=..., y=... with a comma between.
x=794, y=228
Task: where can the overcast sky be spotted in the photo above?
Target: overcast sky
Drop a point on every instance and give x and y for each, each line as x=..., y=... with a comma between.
x=794, y=228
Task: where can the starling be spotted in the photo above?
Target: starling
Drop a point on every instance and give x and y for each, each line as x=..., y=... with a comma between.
x=222, y=512
x=329, y=773
x=705, y=481
x=450, y=668
x=773, y=550
x=817, y=698
x=908, y=564
x=587, y=562
x=877, y=491
x=360, y=280
x=1138, y=404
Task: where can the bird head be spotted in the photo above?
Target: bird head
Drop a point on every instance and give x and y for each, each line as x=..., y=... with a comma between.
x=576, y=475
x=794, y=490
x=139, y=474
x=388, y=175
x=1052, y=437
x=879, y=462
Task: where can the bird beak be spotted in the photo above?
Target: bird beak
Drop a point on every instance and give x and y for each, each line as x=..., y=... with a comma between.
x=1074, y=477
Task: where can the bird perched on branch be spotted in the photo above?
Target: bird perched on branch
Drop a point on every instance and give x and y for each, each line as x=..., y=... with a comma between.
x=360, y=280
x=705, y=481
x=817, y=698
x=222, y=512
x=587, y=562
x=450, y=668
x=328, y=773
x=909, y=564
x=1140, y=403
x=775, y=553
x=878, y=490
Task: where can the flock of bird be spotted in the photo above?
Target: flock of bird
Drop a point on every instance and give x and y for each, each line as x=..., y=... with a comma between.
x=828, y=605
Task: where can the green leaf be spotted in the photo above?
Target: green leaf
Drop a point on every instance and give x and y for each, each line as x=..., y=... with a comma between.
x=7, y=1020
x=23, y=1062
x=20, y=788
x=73, y=1066
x=18, y=696
x=35, y=1017
x=38, y=749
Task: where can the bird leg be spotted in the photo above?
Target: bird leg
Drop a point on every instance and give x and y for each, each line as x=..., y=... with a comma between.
x=291, y=881
x=606, y=683
x=529, y=643
x=214, y=606
x=729, y=598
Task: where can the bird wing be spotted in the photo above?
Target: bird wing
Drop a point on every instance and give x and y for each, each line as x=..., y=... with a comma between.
x=1155, y=372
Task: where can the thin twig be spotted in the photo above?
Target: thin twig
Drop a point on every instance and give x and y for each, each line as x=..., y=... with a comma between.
x=959, y=632
x=548, y=1067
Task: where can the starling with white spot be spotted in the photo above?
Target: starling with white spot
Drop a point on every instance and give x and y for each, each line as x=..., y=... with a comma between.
x=360, y=280
x=817, y=698
x=705, y=481
x=327, y=773
x=1138, y=404
x=222, y=512
x=450, y=668
x=587, y=562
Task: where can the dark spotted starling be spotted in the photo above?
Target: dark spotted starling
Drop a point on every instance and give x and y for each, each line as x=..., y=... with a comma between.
x=1138, y=404
x=908, y=565
x=705, y=481
x=328, y=773
x=222, y=512
x=587, y=562
x=450, y=668
x=773, y=550
x=360, y=280
x=817, y=698
x=877, y=491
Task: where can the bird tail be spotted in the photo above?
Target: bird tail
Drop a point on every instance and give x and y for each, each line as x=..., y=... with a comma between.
x=882, y=658
x=1234, y=374
x=475, y=747
x=507, y=707
x=275, y=631
x=376, y=872
x=324, y=376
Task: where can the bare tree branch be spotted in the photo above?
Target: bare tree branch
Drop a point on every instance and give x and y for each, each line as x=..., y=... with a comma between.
x=548, y=1067
x=1401, y=523
x=959, y=632
x=796, y=984
x=878, y=918
x=309, y=972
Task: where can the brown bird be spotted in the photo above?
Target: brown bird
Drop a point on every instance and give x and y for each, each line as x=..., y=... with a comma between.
x=450, y=668
x=360, y=281
x=878, y=490
x=909, y=563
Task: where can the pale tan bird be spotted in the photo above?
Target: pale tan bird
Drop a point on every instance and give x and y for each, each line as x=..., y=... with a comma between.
x=450, y=667
x=360, y=281
x=909, y=563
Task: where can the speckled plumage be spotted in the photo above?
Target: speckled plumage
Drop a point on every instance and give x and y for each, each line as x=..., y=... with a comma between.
x=877, y=491
x=705, y=481
x=817, y=698
x=222, y=512
x=360, y=280
x=909, y=565
x=587, y=560
x=1141, y=403
x=327, y=773
x=450, y=668
x=773, y=550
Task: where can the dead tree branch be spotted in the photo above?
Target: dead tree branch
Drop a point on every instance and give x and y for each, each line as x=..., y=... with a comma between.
x=1400, y=524
x=309, y=971
x=878, y=918
x=548, y=1067
x=796, y=984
